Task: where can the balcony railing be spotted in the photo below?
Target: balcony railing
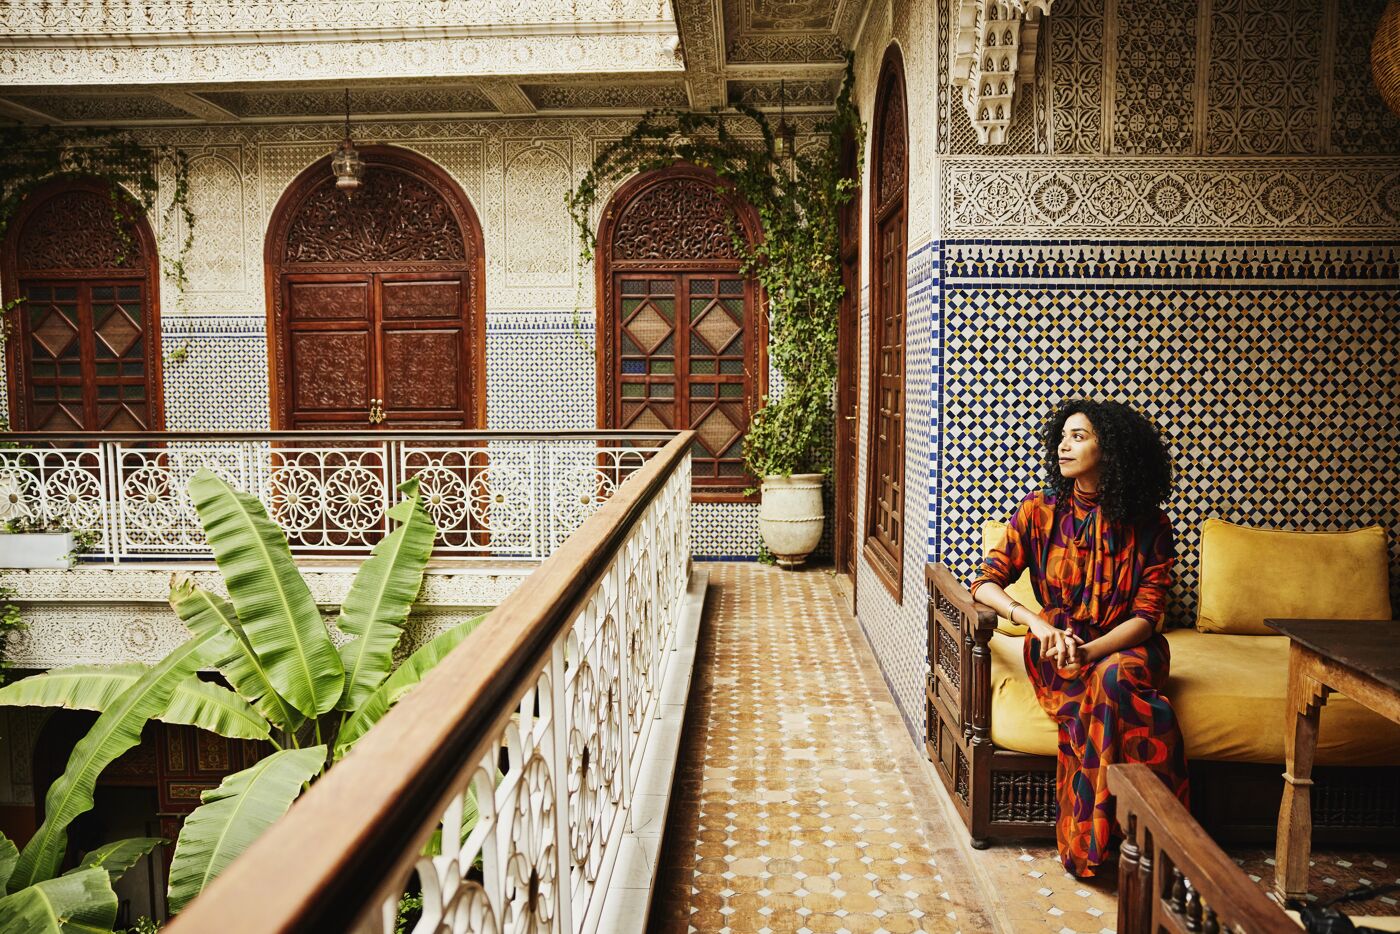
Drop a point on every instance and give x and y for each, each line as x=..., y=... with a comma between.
x=517, y=494
x=546, y=712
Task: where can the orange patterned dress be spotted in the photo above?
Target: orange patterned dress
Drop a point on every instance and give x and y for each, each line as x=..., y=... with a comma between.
x=1091, y=574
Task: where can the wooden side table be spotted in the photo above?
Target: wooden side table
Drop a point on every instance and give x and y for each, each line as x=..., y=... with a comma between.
x=1358, y=658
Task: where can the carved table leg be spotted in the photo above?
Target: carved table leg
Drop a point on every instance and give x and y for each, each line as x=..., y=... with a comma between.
x=1306, y=696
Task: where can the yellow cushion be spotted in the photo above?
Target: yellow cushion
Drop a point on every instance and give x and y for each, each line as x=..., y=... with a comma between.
x=1228, y=693
x=1378, y=922
x=1249, y=575
x=1020, y=590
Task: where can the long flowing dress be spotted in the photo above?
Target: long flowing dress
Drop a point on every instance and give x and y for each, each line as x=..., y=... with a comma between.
x=1091, y=574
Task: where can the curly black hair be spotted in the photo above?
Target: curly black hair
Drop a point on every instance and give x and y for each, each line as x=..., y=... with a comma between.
x=1135, y=469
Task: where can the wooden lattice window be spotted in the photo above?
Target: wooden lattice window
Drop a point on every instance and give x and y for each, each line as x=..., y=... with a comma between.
x=679, y=345
x=85, y=348
x=885, y=481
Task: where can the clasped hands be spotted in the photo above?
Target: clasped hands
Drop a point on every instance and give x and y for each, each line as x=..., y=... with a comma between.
x=1062, y=647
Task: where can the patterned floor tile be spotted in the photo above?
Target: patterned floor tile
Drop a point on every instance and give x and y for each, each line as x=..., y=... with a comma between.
x=801, y=806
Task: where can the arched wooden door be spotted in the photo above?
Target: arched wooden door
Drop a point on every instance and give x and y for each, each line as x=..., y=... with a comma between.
x=680, y=328
x=376, y=309
x=84, y=348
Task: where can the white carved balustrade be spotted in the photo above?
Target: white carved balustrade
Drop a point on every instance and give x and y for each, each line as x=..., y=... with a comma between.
x=539, y=724
x=497, y=494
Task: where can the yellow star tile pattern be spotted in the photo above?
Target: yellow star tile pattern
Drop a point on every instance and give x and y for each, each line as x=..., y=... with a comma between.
x=800, y=805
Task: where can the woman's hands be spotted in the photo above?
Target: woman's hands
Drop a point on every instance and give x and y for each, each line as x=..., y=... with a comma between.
x=1060, y=646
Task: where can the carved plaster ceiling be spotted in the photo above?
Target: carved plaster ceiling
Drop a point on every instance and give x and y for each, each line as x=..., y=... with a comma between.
x=201, y=61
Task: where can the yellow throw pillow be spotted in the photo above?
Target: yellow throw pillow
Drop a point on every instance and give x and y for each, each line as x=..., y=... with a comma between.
x=1020, y=590
x=1249, y=575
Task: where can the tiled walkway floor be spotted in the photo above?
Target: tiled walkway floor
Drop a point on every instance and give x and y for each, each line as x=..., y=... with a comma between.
x=794, y=808
x=801, y=805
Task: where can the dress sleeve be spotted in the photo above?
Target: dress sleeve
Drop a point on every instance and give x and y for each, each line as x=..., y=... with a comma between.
x=1005, y=561
x=1159, y=554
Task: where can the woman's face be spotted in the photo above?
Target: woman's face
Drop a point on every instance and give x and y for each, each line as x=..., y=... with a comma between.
x=1079, y=449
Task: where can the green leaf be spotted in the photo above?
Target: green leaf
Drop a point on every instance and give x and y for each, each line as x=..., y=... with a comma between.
x=116, y=730
x=79, y=903
x=9, y=855
x=235, y=814
x=273, y=603
x=94, y=687
x=229, y=650
x=118, y=856
x=400, y=683
x=384, y=589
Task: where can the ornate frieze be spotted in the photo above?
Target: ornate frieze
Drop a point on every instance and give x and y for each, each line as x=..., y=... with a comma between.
x=1279, y=198
x=53, y=20
x=296, y=61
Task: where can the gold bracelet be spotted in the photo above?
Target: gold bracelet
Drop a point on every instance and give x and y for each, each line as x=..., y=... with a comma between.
x=1011, y=614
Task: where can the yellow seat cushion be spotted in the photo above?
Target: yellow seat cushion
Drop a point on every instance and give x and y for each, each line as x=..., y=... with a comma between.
x=1228, y=693
x=1020, y=590
x=1249, y=575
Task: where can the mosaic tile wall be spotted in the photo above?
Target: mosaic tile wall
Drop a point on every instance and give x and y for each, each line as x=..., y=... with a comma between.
x=1271, y=369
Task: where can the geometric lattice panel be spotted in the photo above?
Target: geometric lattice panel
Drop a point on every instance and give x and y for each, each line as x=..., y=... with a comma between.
x=1272, y=373
x=221, y=382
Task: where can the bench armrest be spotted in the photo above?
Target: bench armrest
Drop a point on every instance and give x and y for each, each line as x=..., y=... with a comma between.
x=974, y=624
x=1171, y=875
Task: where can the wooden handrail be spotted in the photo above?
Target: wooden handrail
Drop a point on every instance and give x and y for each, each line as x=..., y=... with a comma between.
x=1173, y=838
x=345, y=845
x=939, y=577
x=329, y=436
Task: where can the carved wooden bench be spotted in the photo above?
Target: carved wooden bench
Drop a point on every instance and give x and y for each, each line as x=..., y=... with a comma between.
x=1008, y=795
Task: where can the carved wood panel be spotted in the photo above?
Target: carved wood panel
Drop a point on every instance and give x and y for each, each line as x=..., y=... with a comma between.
x=77, y=230
x=399, y=265
x=675, y=218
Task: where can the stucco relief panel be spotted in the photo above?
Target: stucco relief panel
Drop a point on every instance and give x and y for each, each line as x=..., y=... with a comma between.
x=1131, y=196
x=1264, y=76
x=538, y=229
x=216, y=261
x=1154, y=111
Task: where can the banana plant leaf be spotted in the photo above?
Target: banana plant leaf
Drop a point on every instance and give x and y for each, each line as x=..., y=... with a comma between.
x=376, y=608
x=116, y=730
x=94, y=687
x=404, y=678
x=9, y=855
x=235, y=814
x=118, y=856
x=273, y=603
x=78, y=903
x=229, y=650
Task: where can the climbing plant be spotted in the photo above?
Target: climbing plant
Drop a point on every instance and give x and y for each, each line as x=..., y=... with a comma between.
x=797, y=260
x=30, y=156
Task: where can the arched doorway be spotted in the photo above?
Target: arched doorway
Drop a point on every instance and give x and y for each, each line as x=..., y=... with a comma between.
x=889, y=187
x=84, y=353
x=376, y=303
x=680, y=329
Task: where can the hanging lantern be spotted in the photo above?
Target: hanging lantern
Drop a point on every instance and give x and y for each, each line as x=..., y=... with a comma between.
x=785, y=137
x=349, y=169
x=1385, y=56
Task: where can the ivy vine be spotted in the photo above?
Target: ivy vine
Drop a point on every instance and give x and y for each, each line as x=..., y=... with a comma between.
x=30, y=156
x=797, y=261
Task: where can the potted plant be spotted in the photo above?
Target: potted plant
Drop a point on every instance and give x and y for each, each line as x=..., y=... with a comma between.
x=35, y=543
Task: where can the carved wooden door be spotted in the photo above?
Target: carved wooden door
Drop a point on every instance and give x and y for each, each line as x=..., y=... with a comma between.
x=85, y=348
x=370, y=349
x=848, y=369
x=376, y=312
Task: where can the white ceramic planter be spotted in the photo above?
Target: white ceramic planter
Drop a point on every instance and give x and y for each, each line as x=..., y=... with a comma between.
x=36, y=550
x=790, y=516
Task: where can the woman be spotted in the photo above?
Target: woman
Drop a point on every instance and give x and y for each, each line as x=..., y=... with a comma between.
x=1100, y=553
